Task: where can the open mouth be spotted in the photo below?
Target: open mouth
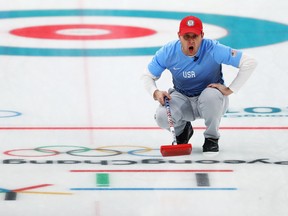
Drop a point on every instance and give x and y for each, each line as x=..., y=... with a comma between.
x=191, y=49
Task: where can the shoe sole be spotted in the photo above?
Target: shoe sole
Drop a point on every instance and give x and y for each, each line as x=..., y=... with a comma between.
x=210, y=154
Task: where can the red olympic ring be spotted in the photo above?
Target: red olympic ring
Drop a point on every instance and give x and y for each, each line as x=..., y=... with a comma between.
x=111, y=32
x=19, y=155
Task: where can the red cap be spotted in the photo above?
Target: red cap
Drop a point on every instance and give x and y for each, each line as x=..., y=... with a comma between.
x=190, y=24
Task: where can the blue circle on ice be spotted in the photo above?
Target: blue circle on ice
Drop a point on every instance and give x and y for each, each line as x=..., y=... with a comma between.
x=9, y=113
x=243, y=32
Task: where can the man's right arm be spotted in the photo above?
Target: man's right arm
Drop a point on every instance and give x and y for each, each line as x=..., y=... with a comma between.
x=151, y=87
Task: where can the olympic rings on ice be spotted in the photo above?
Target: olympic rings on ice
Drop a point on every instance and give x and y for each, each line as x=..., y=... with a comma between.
x=81, y=151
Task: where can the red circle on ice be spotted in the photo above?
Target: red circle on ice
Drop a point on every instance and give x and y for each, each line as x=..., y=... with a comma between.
x=82, y=32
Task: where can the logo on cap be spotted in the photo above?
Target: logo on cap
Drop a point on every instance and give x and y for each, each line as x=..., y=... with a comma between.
x=190, y=23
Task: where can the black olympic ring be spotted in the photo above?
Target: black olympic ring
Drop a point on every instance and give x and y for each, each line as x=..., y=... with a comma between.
x=115, y=152
x=82, y=149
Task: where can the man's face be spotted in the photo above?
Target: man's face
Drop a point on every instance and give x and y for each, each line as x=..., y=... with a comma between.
x=190, y=43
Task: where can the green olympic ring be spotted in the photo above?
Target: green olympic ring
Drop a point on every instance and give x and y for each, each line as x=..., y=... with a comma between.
x=243, y=32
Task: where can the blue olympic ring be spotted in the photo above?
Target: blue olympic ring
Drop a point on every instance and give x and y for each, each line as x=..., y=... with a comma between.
x=138, y=151
x=247, y=33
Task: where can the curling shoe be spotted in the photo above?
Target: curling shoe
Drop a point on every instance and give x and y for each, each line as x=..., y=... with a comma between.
x=210, y=147
x=185, y=136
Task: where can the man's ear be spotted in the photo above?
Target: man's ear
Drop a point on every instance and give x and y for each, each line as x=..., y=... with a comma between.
x=202, y=34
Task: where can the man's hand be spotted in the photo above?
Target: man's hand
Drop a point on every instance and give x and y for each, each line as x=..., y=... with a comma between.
x=159, y=96
x=223, y=89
